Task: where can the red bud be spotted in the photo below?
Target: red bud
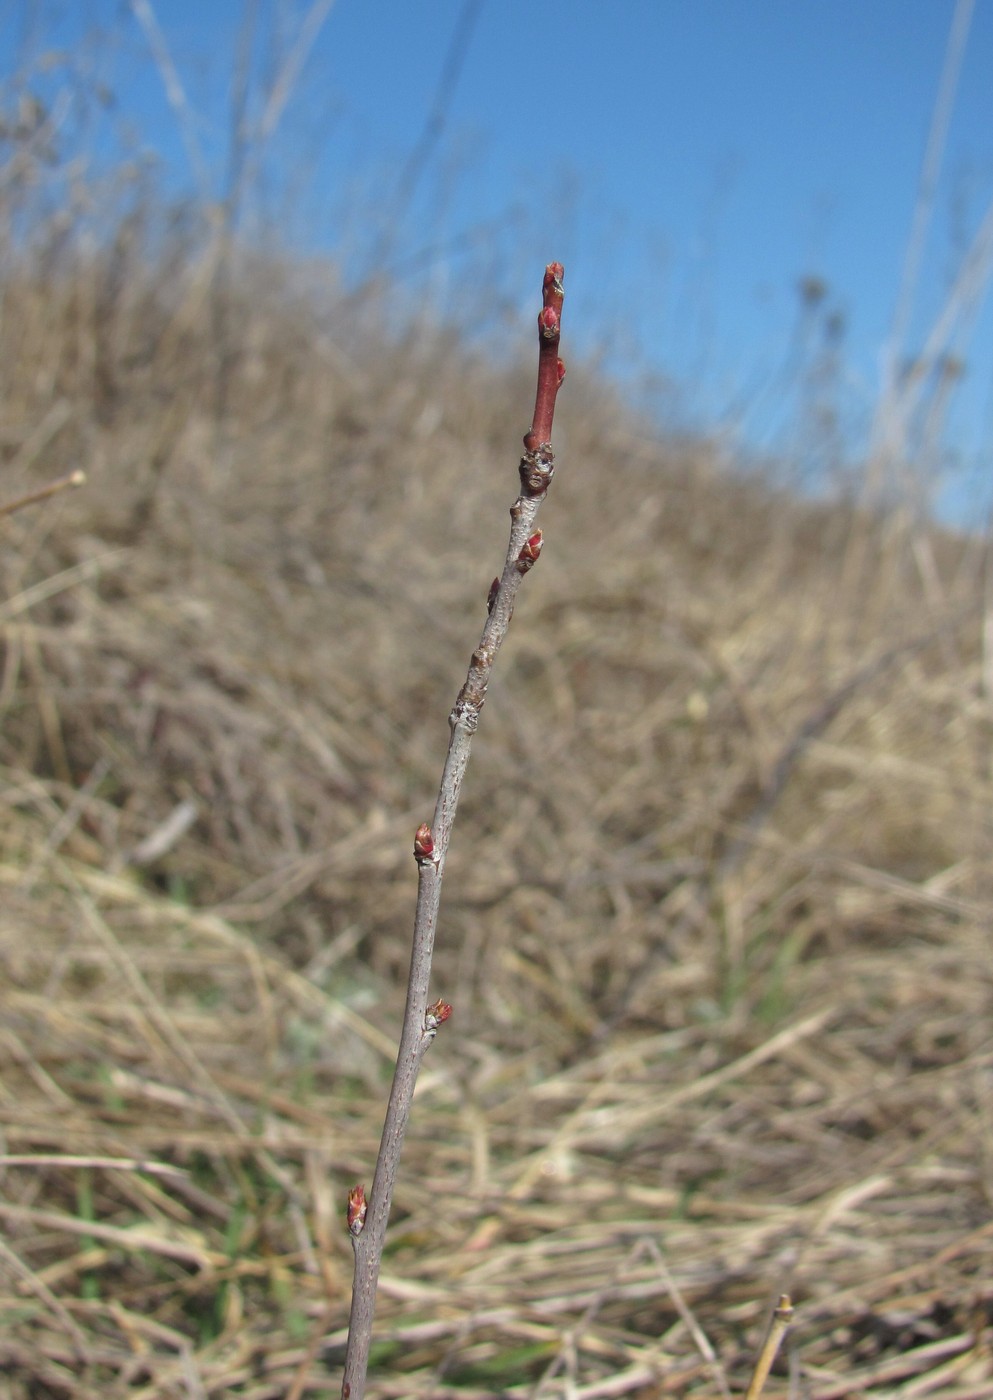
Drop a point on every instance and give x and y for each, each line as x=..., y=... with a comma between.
x=434, y=1017
x=529, y=552
x=423, y=842
x=357, y=1207
x=437, y=1015
x=548, y=322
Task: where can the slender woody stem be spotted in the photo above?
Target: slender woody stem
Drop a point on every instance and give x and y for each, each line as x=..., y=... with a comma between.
x=551, y=370
x=368, y=1219
x=43, y=493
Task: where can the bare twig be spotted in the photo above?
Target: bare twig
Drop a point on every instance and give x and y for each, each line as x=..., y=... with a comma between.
x=367, y=1219
x=176, y=96
x=434, y=126
x=44, y=493
x=779, y=1325
x=888, y=404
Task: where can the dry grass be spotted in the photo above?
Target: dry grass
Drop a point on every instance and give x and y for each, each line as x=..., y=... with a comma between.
x=716, y=923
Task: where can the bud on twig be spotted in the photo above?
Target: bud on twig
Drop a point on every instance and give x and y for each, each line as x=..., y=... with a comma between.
x=436, y=1016
x=423, y=843
x=530, y=550
x=357, y=1206
x=548, y=323
x=491, y=597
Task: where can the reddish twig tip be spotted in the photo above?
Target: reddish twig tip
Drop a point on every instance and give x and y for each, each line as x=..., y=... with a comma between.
x=551, y=285
x=551, y=370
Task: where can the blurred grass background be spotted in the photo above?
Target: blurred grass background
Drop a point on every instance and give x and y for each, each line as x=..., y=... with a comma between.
x=716, y=919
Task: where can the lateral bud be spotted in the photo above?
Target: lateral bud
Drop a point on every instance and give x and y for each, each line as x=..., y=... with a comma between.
x=423, y=843
x=491, y=597
x=549, y=323
x=357, y=1207
x=436, y=1016
x=530, y=550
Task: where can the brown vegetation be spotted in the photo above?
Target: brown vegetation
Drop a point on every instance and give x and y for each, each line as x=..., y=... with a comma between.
x=716, y=920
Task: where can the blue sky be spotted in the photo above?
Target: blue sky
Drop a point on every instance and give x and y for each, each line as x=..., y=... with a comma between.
x=688, y=160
